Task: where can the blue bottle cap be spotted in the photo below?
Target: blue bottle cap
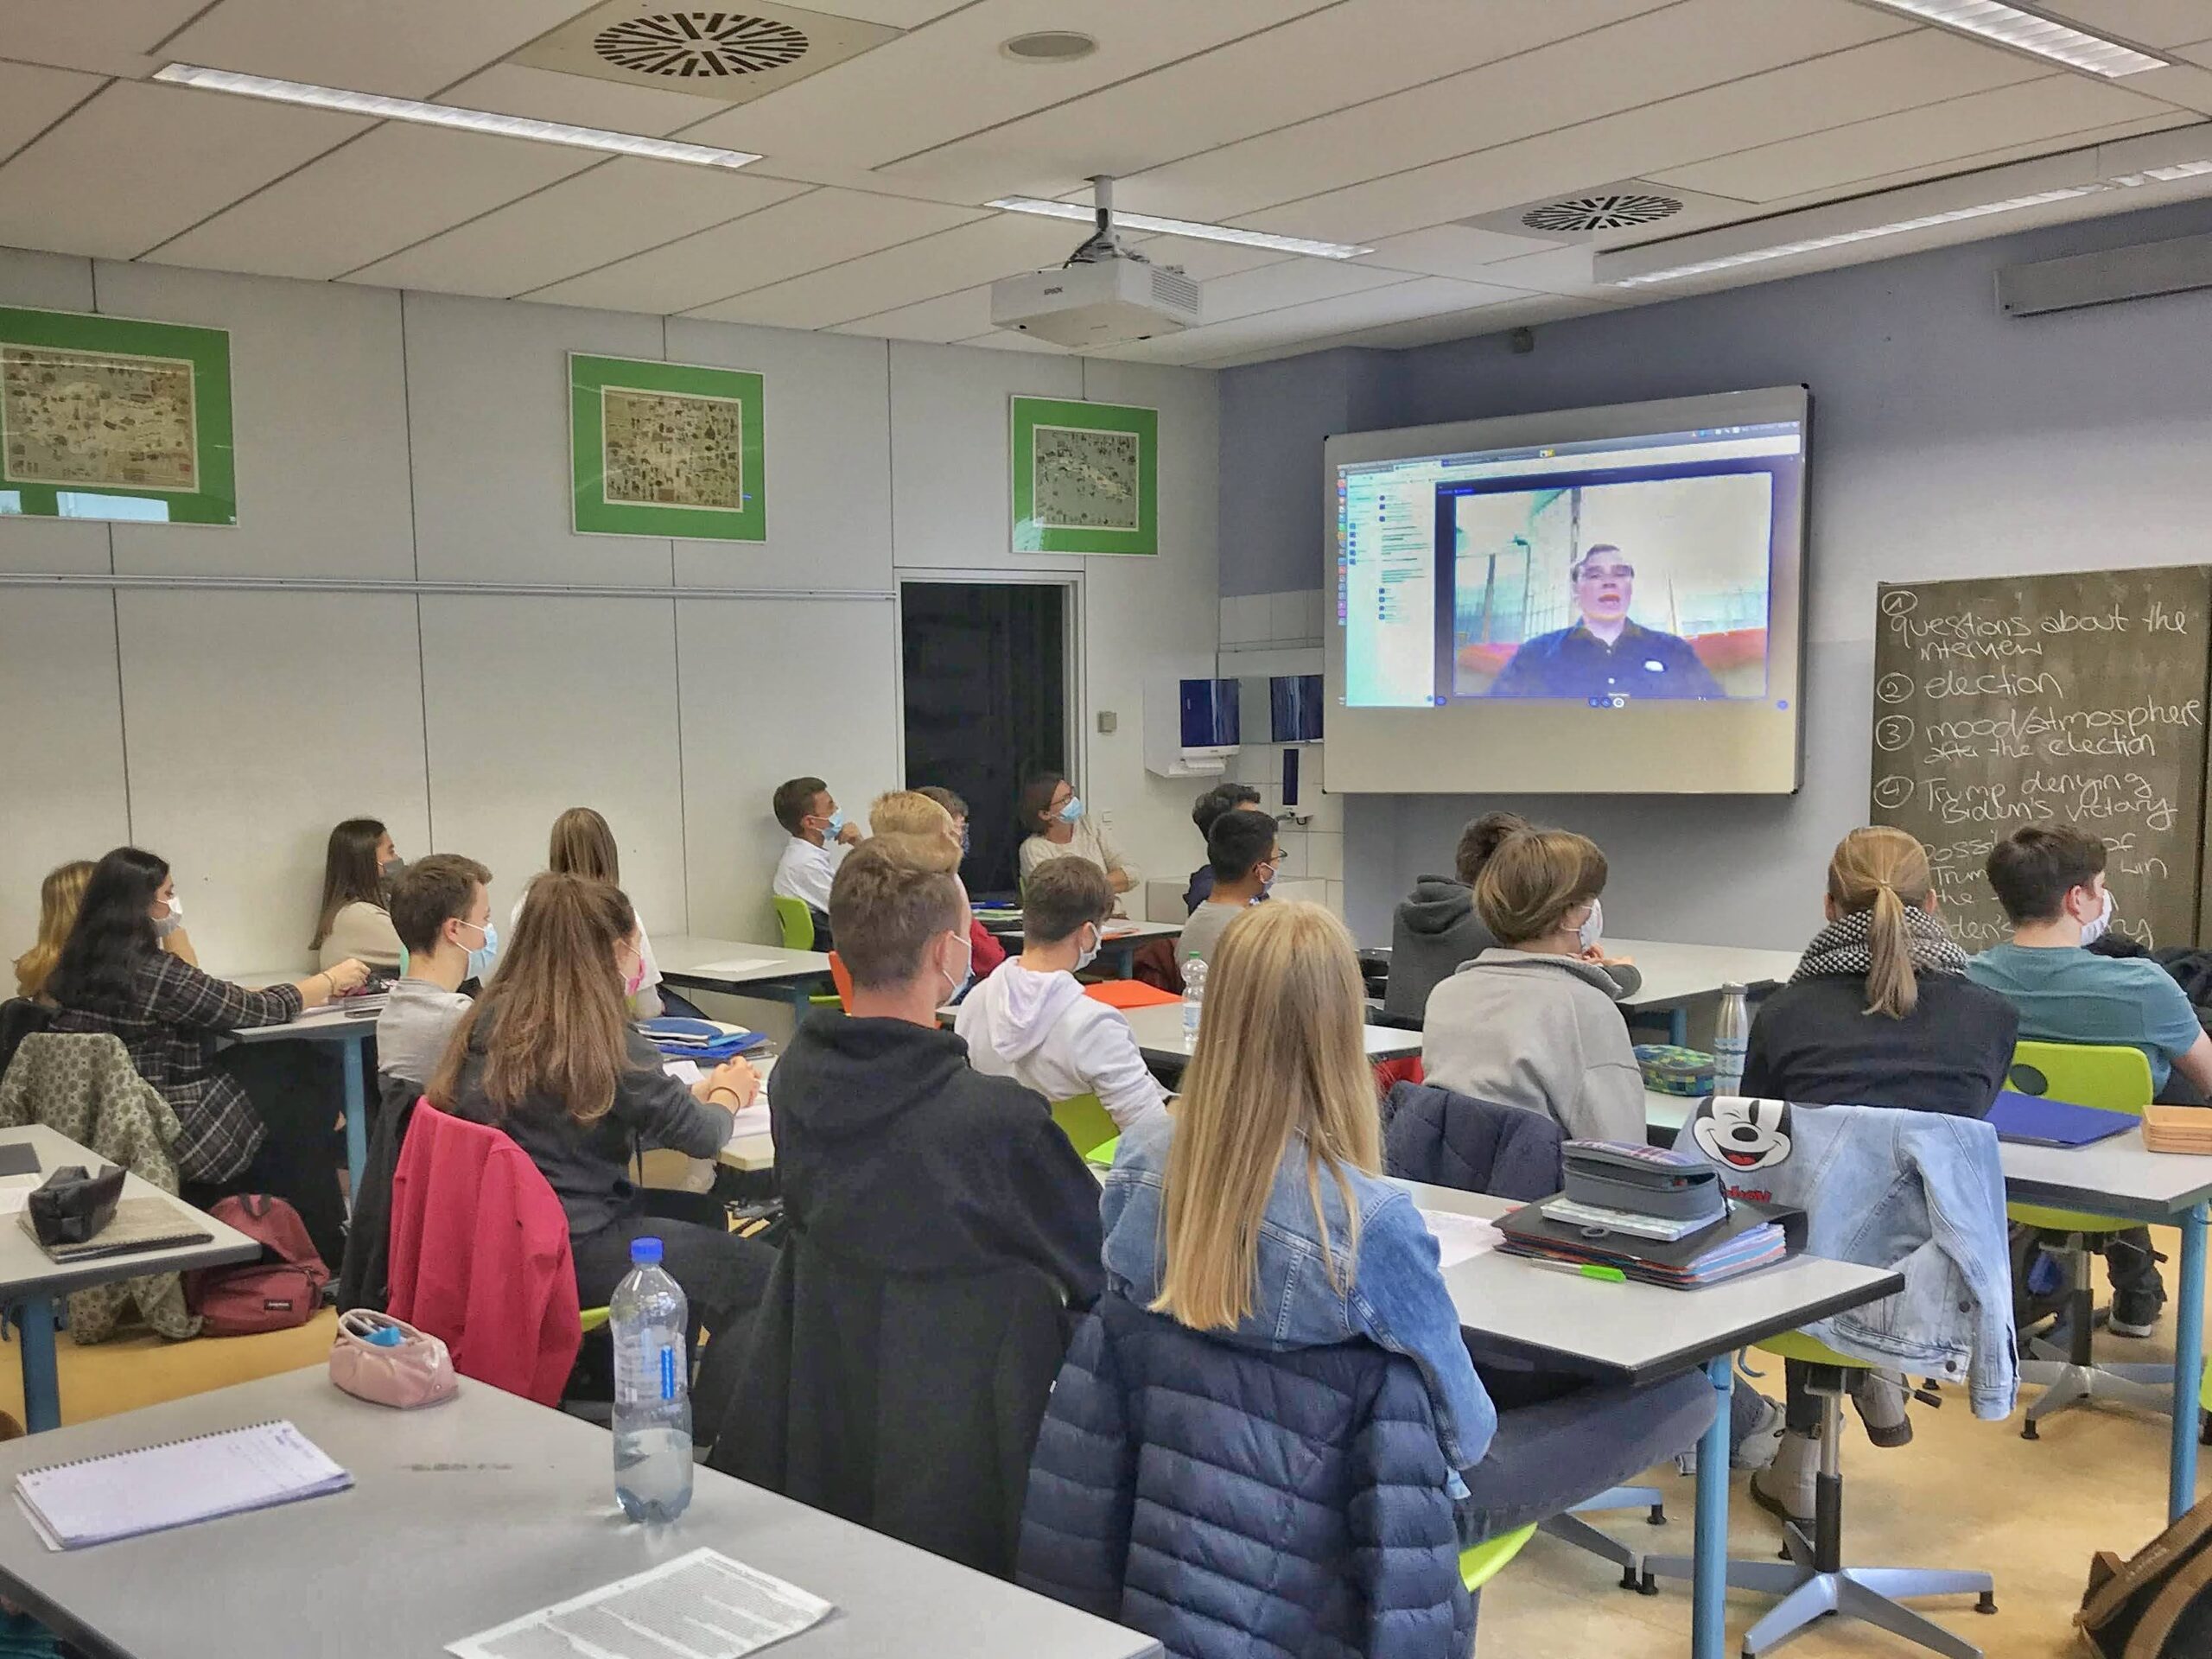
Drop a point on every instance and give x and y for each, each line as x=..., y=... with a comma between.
x=644, y=1252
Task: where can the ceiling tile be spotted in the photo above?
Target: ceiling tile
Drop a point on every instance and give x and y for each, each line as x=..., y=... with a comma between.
x=1287, y=283
x=138, y=162
x=1799, y=98
x=32, y=100
x=386, y=190
x=1555, y=271
x=1326, y=60
x=981, y=251
x=616, y=209
x=950, y=79
x=581, y=100
x=1451, y=250
x=2146, y=22
x=2050, y=107
x=947, y=318
x=1700, y=44
x=899, y=14
x=2189, y=84
x=2171, y=122
x=407, y=48
x=803, y=234
x=1319, y=318
x=108, y=37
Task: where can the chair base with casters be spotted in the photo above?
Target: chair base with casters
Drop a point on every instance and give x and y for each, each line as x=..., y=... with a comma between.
x=1572, y=1528
x=2114, y=1079
x=1811, y=1578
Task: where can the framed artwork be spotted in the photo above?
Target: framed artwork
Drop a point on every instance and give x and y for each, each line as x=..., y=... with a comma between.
x=666, y=449
x=1086, y=477
x=108, y=418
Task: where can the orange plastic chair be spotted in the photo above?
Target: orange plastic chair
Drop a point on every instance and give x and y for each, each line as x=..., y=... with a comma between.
x=844, y=977
x=1129, y=993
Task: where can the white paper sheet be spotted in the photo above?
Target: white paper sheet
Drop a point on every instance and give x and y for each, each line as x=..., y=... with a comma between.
x=686, y=1073
x=754, y=1120
x=1461, y=1238
x=734, y=966
x=702, y=1606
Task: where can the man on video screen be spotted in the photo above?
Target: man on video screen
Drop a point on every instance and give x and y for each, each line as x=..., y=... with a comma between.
x=1604, y=654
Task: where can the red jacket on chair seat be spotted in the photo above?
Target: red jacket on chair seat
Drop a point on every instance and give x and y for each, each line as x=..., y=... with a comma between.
x=479, y=1256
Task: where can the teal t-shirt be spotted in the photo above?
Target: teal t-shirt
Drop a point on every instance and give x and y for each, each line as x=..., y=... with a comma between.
x=2066, y=994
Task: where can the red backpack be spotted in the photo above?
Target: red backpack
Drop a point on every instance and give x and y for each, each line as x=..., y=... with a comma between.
x=281, y=1289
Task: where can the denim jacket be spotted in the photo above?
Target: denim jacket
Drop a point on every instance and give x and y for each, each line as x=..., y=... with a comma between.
x=1394, y=1296
x=1918, y=1191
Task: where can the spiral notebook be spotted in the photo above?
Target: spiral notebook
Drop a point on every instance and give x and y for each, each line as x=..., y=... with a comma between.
x=125, y=1494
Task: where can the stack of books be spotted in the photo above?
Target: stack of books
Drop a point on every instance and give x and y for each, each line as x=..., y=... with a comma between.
x=2177, y=1128
x=1683, y=1255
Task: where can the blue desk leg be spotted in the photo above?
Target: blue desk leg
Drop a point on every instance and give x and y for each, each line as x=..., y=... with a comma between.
x=1678, y=1027
x=2189, y=1365
x=357, y=1112
x=1709, y=1558
x=42, y=1387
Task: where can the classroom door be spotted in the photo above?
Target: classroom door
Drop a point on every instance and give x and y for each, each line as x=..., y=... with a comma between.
x=986, y=694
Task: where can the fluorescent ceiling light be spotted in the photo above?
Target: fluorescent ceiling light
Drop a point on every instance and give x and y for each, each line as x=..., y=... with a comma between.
x=1183, y=227
x=2027, y=31
x=1814, y=244
x=376, y=105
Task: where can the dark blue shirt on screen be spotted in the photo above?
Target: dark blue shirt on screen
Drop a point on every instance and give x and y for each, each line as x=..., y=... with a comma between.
x=1574, y=663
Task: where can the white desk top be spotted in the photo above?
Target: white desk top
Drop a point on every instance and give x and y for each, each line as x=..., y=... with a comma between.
x=688, y=958
x=1160, y=1034
x=1674, y=973
x=25, y=1269
x=467, y=1514
x=1636, y=1332
x=1122, y=932
x=328, y=1024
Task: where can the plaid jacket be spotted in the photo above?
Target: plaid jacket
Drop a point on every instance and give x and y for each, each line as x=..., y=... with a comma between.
x=169, y=1029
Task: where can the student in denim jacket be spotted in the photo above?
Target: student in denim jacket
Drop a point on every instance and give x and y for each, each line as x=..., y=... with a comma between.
x=1257, y=1211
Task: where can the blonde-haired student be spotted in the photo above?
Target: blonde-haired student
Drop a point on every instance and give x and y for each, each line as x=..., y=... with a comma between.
x=919, y=813
x=59, y=896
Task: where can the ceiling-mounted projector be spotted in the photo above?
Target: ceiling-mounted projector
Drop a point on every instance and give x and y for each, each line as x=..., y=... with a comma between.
x=1105, y=295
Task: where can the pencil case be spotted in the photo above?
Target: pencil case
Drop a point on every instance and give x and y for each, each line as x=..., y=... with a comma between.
x=1646, y=1180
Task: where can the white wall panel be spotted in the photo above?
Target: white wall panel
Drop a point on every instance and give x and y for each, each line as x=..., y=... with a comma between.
x=318, y=415
x=537, y=705
x=254, y=722
x=748, y=724
x=61, y=780
x=828, y=460
x=487, y=393
x=49, y=282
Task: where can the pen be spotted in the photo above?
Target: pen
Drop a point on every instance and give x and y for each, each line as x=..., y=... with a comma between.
x=1581, y=1270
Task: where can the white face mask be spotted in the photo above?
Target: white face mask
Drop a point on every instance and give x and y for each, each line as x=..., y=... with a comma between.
x=1087, y=954
x=2097, y=926
x=165, y=925
x=1593, y=926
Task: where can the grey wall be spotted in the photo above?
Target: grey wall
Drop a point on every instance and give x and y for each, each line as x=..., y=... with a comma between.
x=1949, y=441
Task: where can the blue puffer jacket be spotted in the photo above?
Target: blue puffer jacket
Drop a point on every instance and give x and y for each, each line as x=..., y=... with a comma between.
x=1234, y=1501
x=1447, y=1140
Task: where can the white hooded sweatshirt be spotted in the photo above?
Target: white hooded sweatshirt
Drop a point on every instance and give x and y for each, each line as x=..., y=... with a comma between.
x=1042, y=1031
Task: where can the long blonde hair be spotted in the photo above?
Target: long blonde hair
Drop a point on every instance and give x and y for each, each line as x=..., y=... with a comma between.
x=59, y=897
x=557, y=1026
x=1882, y=870
x=1279, y=1052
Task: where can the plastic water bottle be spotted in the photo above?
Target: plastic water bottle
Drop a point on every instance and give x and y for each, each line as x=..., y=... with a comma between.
x=1194, y=996
x=647, y=1317
x=1731, y=1039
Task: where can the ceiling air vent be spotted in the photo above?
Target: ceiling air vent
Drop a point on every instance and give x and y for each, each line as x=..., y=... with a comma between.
x=730, y=55
x=1606, y=212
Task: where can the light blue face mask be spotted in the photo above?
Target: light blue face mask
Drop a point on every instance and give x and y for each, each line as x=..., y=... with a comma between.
x=1073, y=810
x=486, y=957
x=967, y=974
x=836, y=827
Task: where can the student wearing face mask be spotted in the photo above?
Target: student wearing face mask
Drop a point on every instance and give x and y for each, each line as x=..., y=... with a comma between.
x=1531, y=1022
x=820, y=838
x=1242, y=852
x=2051, y=881
x=359, y=864
x=113, y=976
x=442, y=911
x=1031, y=1021
x=1052, y=816
x=921, y=813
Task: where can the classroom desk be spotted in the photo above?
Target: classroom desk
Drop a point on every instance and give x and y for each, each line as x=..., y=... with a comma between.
x=1675, y=976
x=1118, y=947
x=1159, y=1035
x=30, y=1281
x=351, y=1029
x=792, y=976
x=465, y=1516
x=1641, y=1333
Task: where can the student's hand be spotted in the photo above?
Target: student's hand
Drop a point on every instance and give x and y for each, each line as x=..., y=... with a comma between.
x=348, y=975
x=1120, y=880
x=1597, y=954
x=850, y=835
x=731, y=1085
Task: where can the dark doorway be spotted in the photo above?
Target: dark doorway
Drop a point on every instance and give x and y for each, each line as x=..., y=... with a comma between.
x=986, y=684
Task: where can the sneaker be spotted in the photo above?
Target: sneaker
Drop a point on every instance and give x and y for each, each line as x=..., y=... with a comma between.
x=2135, y=1311
x=1785, y=1486
x=1761, y=1440
x=1879, y=1396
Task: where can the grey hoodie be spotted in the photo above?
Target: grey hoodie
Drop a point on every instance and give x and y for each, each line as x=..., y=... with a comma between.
x=1434, y=931
x=1538, y=1032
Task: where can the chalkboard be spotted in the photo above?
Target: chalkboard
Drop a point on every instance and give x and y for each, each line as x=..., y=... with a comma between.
x=2071, y=698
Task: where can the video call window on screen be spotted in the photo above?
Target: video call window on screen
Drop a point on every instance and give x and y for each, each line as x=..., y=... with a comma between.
x=1600, y=573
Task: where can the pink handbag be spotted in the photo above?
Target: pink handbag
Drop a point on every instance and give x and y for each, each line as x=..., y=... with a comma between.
x=367, y=1363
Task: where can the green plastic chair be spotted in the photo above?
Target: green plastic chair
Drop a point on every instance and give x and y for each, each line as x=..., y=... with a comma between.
x=1482, y=1562
x=1085, y=1122
x=797, y=923
x=2114, y=1079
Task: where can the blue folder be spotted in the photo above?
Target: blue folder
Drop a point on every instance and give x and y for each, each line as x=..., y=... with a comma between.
x=699, y=1039
x=2036, y=1121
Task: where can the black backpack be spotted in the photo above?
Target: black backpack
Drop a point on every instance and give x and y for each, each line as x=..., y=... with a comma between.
x=2157, y=1604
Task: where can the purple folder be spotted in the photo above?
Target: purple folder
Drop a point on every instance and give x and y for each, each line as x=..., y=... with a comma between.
x=2036, y=1121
